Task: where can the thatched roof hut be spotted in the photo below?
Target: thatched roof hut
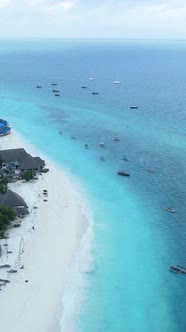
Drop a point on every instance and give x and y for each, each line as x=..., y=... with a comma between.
x=24, y=160
x=10, y=198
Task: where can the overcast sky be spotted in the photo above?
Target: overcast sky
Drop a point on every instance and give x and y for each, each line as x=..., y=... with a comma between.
x=165, y=19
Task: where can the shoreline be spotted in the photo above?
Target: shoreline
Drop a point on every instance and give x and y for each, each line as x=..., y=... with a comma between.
x=34, y=296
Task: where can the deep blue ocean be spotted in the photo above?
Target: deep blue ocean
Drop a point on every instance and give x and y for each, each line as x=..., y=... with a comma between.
x=129, y=287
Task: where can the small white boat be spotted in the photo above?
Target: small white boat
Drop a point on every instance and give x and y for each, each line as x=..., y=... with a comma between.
x=117, y=81
x=102, y=144
x=151, y=170
x=91, y=78
x=169, y=209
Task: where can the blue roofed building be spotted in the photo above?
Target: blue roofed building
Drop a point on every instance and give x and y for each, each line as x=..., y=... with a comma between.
x=4, y=127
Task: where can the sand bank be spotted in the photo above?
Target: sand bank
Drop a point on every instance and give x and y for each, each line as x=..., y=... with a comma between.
x=45, y=251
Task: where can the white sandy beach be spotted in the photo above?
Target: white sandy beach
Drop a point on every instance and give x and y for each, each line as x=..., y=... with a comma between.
x=45, y=251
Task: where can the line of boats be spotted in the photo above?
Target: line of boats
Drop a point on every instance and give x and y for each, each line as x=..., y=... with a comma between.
x=91, y=78
x=56, y=92
x=116, y=138
x=123, y=173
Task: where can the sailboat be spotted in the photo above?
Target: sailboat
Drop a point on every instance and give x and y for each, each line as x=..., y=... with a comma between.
x=117, y=81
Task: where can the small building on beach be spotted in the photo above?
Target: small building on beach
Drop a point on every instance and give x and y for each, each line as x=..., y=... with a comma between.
x=4, y=127
x=20, y=159
x=12, y=199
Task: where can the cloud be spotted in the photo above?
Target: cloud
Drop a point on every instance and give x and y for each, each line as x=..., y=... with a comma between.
x=53, y=4
x=65, y=5
x=123, y=5
x=4, y=3
x=94, y=18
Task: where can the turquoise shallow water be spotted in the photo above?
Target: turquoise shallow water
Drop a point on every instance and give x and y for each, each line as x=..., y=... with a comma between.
x=129, y=287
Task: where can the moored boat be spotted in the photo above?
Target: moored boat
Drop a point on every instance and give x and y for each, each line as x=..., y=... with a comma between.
x=123, y=173
x=117, y=81
x=169, y=209
x=124, y=158
x=178, y=269
x=151, y=170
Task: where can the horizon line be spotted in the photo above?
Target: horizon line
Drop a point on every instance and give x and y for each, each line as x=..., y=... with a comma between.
x=91, y=38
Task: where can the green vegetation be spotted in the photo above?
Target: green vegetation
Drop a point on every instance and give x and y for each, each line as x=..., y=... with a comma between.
x=7, y=215
x=3, y=184
x=28, y=175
